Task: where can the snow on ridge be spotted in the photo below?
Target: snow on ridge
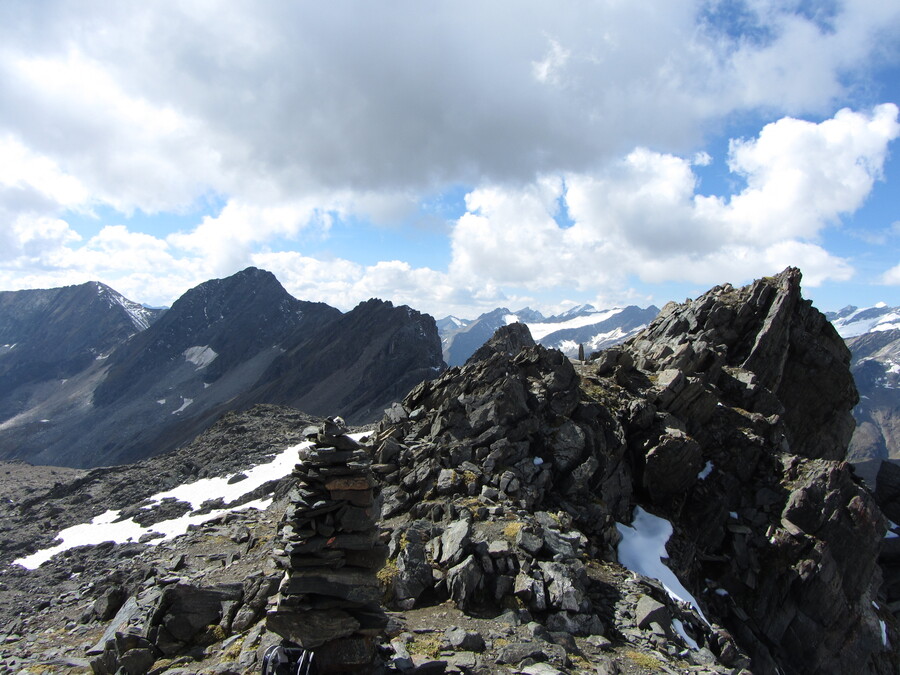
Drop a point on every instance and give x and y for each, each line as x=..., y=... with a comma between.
x=643, y=549
x=544, y=328
x=105, y=528
x=200, y=356
x=138, y=314
x=850, y=326
x=510, y=318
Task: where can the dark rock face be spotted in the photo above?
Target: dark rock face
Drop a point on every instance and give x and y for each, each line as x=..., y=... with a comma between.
x=464, y=343
x=508, y=340
x=765, y=338
x=874, y=366
x=53, y=334
x=728, y=416
x=236, y=317
x=227, y=344
x=356, y=365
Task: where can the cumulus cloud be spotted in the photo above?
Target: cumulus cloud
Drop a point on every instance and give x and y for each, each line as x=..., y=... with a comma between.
x=643, y=216
x=150, y=106
x=572, y=127
x=892, y=276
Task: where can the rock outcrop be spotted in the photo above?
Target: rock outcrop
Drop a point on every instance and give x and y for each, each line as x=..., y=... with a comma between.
x=729, y=416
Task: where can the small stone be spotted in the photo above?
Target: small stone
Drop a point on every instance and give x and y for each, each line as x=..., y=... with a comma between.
x=465, y=640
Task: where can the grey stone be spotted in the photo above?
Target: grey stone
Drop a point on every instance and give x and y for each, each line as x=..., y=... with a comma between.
x=463, y=581
x=519, y=651
x=650, y=611
x=462, y=639
x=454, y=542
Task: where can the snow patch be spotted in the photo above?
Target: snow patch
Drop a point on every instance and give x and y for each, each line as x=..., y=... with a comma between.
x=185, y=403
x=103, y=528
x=688, y=640
x=884, y=636
x=643, y=549
x=706, y=471
x=200, y=356
x=510, y=318
x=541, y=330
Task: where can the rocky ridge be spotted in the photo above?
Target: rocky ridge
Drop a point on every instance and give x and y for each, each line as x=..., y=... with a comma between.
x=507, y=486
x=226, y=344
x=729, y=416
x=53, y=334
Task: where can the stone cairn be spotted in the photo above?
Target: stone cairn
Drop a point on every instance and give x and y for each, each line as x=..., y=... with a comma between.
x=329, y=600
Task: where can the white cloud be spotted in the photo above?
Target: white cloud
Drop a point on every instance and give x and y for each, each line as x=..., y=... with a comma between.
x=292, y=116
x=801, y=175
x=892, y=276
x=702, y=158
x=548, y=70
x=642, y=216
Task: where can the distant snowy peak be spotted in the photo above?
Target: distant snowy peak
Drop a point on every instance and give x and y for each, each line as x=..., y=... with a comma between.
x=852, y=321
x=580, y=325
x=586, y=316
x=577, y=310
x=594, y=329
x=451, y=323
x=525, y=315
x=141, y=317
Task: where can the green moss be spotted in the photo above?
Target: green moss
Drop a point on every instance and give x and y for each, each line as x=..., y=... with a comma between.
x=644, y=660
x=512, y=529
x=426, y=645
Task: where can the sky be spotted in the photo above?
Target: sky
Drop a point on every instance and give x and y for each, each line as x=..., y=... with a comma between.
x=453, y=156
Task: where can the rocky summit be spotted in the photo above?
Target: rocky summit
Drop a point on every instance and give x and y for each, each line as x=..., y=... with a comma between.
x=527, y=504
x=728, y=417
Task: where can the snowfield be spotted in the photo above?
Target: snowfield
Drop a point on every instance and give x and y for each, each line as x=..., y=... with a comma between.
x=108, y=527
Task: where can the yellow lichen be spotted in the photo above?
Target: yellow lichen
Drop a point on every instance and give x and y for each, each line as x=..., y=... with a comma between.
x=512, y=529
x=426, y=645
x=644, y=660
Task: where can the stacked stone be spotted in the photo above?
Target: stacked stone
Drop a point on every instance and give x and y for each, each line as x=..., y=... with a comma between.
x=329, y=600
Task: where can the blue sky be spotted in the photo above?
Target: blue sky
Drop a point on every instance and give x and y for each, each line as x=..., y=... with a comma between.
x=457, y=156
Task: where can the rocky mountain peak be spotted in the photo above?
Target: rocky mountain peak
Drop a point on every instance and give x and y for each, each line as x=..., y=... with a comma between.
x=508, y=340
x=233, y=318
x=761, y=338
x=51, y=334
x=726, y=419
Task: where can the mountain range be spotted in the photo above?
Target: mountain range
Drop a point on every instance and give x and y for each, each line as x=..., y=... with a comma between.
x=679, y=503
x=583, y=325
x=91, y=378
